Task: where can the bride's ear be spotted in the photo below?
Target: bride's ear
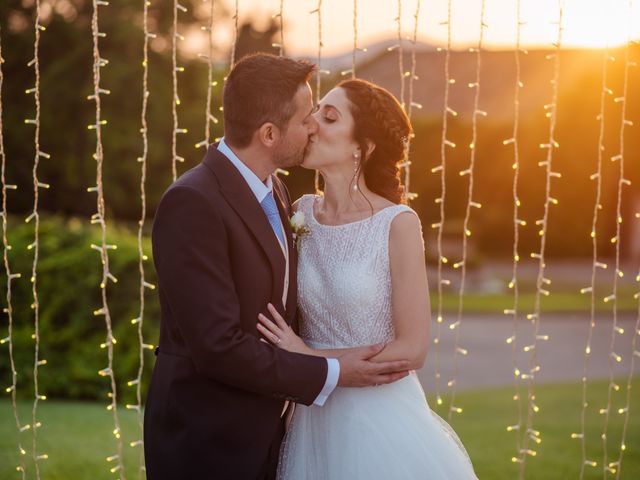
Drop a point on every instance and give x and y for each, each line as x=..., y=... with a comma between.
x=370, y=148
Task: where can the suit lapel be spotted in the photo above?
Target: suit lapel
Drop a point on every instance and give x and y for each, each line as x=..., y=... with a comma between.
x=293, y=255
x=240, y=197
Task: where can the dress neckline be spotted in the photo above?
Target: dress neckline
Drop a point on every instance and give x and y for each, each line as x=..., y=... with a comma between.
x=315, y=220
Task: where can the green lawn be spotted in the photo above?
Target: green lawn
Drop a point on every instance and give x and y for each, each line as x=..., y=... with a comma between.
x=77, y=435
x=565, y=301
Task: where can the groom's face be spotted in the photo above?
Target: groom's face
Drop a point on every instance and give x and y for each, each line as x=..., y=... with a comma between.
x=295, y=135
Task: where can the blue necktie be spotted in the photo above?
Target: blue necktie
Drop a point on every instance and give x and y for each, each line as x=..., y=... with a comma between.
x=271, y=210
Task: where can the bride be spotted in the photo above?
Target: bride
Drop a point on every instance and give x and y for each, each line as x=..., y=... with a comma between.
x=362, y=280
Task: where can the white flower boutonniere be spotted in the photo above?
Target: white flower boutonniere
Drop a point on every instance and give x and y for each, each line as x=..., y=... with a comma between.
x=299, y=227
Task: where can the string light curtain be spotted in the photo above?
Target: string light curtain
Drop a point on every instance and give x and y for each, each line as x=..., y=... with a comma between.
x=530, y=434
x=12, y=389
x=525, y=432
x=104, y=247
x=466, y=232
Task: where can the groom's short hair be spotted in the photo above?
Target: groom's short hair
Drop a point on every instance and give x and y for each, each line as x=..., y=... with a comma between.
x=260, y=88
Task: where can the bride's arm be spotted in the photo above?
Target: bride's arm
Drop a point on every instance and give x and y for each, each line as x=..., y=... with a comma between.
x=409, y=293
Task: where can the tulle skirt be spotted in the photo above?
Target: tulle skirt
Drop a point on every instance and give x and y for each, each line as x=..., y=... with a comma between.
x=385, y=432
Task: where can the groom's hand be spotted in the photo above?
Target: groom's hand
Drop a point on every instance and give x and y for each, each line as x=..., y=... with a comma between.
x=357, y=370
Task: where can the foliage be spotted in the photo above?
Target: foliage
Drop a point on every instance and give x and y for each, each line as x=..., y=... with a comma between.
x=68, y=280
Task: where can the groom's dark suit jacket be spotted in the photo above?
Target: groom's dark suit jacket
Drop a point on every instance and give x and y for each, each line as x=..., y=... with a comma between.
x=216, y=396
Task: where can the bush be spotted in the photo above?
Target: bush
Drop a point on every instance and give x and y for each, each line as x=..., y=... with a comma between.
x=68, y=287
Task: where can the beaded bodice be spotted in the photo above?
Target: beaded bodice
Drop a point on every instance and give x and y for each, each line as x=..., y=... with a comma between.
x=344, y=280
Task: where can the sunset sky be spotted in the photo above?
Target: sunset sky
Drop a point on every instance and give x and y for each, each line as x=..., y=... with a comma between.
x=588, y=23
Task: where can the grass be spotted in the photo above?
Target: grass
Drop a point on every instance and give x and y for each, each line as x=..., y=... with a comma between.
x=559, y=302
x=487, y=413
x=77, y=436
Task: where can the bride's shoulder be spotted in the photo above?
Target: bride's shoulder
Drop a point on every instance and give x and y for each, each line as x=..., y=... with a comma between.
x=303, y=201
x=406, y=228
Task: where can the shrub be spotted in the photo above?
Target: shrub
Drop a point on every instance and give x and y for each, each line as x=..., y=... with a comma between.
x=68, y=279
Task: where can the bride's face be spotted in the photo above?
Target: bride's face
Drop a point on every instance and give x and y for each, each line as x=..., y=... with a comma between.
x=333, y=145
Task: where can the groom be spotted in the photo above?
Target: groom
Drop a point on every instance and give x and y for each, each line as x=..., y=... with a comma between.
x=223, y=250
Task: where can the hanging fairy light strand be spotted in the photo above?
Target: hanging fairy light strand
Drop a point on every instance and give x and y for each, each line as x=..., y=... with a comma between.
x=412, y=75
x=399, y=46
x=280, y=46
x=35, y=246
x=635, y=353
x=582, y=436
x=176, y=99
x=614, y=358
x=517, y=223
x=12, y=389
x=530, y=434
x=318, y=11
x=235, y=17
x=280, y=17
x=138, y=321
x=104, y=247
x=466, y=232
x=406, y=164
x=444, y=144
x=635, y=342
x=208, y=114
x=352, y=71
x=355, y=39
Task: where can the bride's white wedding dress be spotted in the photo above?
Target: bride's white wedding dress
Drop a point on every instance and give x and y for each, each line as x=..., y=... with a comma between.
x=385, y=432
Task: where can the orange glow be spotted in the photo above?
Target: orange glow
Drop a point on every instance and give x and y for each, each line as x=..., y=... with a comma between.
x=588, y=23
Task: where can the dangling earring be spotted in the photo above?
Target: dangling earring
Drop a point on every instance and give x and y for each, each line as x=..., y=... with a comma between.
x=356, y=157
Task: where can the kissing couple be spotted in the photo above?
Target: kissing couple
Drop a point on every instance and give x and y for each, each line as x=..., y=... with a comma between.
x=287, y=349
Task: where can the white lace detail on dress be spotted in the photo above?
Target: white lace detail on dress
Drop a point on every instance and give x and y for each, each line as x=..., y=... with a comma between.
x=344, y=280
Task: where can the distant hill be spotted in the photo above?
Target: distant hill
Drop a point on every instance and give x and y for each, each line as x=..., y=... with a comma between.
x=497, y=76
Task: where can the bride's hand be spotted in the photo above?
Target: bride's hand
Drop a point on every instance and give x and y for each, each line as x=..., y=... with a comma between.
x=279, y=333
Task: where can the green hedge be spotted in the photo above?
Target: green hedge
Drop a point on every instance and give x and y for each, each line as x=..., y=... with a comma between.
x=68, y=278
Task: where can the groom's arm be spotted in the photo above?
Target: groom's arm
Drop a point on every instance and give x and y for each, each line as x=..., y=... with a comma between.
x=190, y=247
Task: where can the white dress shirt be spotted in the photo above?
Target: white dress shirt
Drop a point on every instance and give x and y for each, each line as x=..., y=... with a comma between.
x=261, y=189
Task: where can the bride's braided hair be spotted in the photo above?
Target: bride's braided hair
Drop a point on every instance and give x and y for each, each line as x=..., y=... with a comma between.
x=380, y=119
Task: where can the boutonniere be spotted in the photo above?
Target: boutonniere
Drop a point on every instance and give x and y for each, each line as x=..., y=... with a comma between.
x=299, y=227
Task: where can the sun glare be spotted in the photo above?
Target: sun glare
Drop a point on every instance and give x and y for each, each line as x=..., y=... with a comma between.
x=587, y=23
x=600, y=23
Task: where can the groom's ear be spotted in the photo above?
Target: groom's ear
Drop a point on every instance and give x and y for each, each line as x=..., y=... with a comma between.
x=268, y=134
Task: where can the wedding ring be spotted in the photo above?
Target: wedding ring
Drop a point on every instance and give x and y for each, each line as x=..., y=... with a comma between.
x=278, y=341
